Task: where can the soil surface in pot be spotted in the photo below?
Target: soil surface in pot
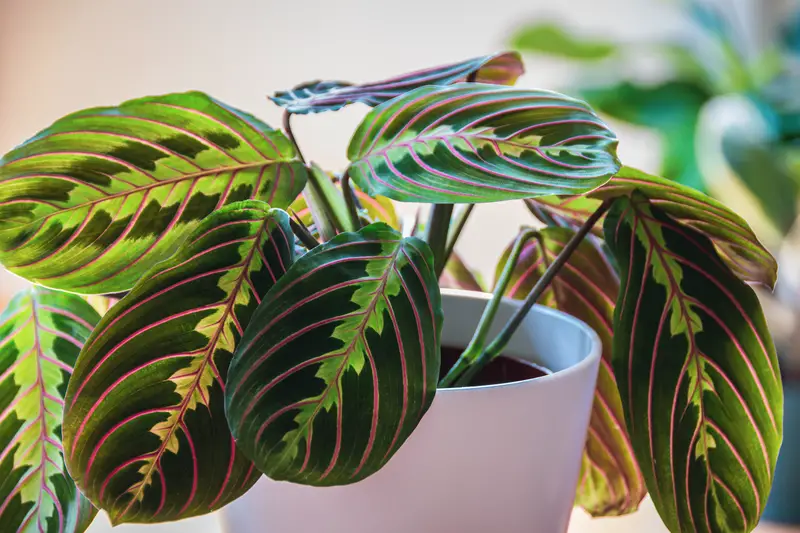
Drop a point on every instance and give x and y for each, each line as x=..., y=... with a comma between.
x=501, y=370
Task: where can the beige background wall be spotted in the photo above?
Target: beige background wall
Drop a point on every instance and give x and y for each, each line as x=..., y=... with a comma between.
x=57, y=56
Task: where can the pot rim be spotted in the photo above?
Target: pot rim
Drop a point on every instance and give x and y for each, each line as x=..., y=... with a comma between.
x=590, y=359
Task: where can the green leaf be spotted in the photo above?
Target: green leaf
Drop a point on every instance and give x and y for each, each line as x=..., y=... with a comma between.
x=610, y=483
x=329, y=210
x=457, y=275
x=564, y=211
x=378, y=209
x=318, y=96
x=472, y=143
x=341, y=360
x=41, y=334
x=553, y=39
x=145, y=430
x=697, y=373
x=94, y=201
x=671, y=108
x=731, y=235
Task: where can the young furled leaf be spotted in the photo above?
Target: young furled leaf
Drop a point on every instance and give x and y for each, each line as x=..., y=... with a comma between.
x=340, y=361
x=317, y=96
x=611, y=482
x=697, y=373
x=145, y=431
x=471, y=143
x=94, y=201
x=41, y=334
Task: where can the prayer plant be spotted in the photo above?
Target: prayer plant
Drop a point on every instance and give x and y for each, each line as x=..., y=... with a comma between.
x=272, y=318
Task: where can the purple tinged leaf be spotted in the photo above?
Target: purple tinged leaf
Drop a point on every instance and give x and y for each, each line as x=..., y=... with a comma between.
x=318, y=96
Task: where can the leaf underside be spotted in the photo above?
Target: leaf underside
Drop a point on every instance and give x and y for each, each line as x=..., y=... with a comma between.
x=697, y=373
x=732, y=237
x=145, y=430
x=94, y=201
x=41, y=334
x=610, y=483
x=471, y=143
x=318, y=96
x=340, y=361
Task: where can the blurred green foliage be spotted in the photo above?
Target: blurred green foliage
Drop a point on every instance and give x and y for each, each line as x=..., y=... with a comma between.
x=708, y=65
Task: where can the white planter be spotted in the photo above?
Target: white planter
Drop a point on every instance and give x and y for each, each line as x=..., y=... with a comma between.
x=502, y=458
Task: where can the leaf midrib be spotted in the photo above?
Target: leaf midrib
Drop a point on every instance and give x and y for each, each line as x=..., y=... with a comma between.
x=694, y=357
x=149, y=186
x=347, y=352
x=206, y=358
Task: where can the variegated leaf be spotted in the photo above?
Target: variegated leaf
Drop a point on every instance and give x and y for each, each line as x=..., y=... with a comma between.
x=95, y=200
x=341, y=360
x=731, y=235
x=145, y=431
x=471, y=143
x=41, y=334
x=378, y=209
x=697, y=373
x=317, y=96
x=457, y=275
x=565, y=211
x=610, y=482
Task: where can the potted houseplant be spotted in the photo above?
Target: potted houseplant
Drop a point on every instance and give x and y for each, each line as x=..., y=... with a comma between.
x=248, y=340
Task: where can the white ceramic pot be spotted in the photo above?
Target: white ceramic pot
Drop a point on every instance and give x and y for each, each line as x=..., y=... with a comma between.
x=502, y=458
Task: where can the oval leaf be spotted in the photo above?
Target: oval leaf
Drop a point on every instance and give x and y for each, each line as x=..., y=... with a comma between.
x=697, y=373
x=95, y=200
x=41, y=334
x=472, y=143
x=145, y=430
x=341, y=360
x=610, y=483
x=732, y=237
x=317, y=96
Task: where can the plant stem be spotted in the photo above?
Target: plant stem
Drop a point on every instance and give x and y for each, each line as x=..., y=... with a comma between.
x=455, y=233
x=476, y=346
x=287, y=127
x=499, y=343
x=350, y=200
x=437, y=230
x=302, y=233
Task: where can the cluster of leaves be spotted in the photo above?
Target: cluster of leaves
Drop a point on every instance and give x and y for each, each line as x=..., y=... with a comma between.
x=241, y=345
x=712, y=72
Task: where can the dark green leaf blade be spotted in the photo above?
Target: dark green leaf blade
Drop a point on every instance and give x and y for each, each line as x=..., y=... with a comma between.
x=95, y=200
x=145, y=430
x=610, y=483
x=471, y=143
x=697, y=373
x=41, y=334
x=317, y=96
x=732, y=237
x=340, y=361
